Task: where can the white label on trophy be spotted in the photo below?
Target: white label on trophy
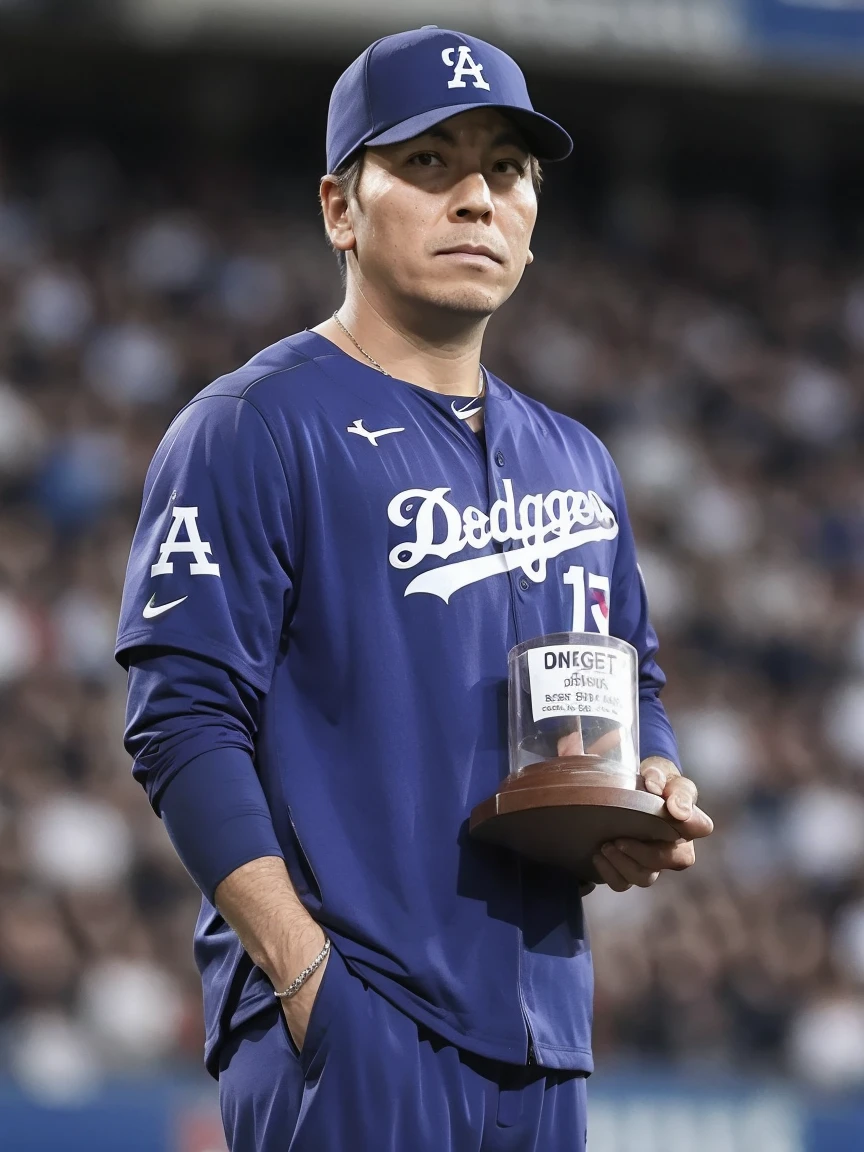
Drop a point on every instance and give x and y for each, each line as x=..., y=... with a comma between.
x=581, y=680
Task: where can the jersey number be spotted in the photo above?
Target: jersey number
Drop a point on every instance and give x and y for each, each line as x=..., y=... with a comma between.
x=598, y=586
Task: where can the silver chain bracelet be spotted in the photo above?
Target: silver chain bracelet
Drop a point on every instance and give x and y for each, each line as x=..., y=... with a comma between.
x=296, y=984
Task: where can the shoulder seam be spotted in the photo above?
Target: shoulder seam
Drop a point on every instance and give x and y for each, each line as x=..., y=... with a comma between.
x=243, y=397
x=245, y=400
x=275, y=372
x=251, y=384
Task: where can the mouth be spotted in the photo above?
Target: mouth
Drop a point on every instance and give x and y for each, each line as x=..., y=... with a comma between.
x=472, y=251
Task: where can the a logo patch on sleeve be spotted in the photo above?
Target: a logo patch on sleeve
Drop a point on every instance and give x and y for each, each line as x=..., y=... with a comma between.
x=151, y=609
x=201, y=566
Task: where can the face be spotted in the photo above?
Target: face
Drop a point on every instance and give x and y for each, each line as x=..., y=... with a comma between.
x=446, y=218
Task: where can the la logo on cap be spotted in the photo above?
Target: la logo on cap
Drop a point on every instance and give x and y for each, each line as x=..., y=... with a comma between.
x=397, y=90
x=464, y=66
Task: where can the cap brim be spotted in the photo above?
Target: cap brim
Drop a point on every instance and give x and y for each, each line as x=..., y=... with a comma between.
x=546, y=139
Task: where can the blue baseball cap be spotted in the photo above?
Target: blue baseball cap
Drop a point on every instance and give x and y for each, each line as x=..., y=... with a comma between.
x=405, y=84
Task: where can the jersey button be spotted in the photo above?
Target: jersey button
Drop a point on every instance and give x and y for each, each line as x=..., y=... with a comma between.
x=523, y=584
x=499, y=458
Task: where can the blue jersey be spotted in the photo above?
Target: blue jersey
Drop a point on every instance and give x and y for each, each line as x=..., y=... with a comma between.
x=350, y=548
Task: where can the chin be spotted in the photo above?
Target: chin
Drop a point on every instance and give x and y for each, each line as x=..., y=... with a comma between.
x=467, y=299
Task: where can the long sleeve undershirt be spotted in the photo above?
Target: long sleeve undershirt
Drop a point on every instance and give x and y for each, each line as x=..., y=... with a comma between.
x=190, y=729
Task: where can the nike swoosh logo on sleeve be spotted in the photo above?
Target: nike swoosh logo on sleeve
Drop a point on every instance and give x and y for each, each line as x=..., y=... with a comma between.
x=151, y=609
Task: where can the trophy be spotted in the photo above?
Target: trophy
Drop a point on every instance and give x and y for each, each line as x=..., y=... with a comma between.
x=574, y=780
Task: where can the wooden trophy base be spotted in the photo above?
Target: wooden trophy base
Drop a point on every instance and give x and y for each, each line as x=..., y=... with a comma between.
x=561, y=811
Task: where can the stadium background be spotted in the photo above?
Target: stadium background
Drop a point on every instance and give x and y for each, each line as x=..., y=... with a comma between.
x=698, y=301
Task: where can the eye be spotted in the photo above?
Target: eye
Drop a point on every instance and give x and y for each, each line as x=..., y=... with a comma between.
x=426, y=160
x=511, y=167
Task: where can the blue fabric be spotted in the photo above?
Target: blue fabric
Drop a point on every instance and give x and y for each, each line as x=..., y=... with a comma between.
x=361, y=589
x=370, y=1079
x=190, y=730
x=217, y=817
x=402, y=85
x=178, y=707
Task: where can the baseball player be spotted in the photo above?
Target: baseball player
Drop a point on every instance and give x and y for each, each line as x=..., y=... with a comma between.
x=338, y=545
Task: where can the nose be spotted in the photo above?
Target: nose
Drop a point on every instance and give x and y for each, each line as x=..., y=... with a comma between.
x=471, y=199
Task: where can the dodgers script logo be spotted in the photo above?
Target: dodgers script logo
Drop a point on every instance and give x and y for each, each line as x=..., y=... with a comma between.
x=544, y=526
x=464, y=66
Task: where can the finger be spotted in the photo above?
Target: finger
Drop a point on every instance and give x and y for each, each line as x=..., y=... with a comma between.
x=680, y=796
x=609, y=875
x=571, y=744
x=605, y=744
x=656, y=855
x=629, y=869
x=655, y=778
x=699, y=824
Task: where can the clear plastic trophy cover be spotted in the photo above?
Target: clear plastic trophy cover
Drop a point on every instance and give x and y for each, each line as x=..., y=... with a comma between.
x=574, y=782
x=573, y=704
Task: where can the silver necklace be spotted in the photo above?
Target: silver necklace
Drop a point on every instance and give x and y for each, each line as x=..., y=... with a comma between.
x=481, y=381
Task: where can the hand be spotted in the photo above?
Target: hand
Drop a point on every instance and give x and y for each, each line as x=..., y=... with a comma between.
x=572, y=745
x=625, y=862
x=298, y=1009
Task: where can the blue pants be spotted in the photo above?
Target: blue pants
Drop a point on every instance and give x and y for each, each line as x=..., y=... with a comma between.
x=370, y=1079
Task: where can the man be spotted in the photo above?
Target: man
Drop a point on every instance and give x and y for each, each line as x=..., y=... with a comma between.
x=323, y=589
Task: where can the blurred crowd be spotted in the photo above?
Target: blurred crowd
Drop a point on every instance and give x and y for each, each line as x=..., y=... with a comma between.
x=721, y=359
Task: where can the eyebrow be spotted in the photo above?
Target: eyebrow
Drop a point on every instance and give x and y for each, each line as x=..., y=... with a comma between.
x=506, y=136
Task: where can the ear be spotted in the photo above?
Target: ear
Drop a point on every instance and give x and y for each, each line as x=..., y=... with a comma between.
x=530, y=259
x=337, y=215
